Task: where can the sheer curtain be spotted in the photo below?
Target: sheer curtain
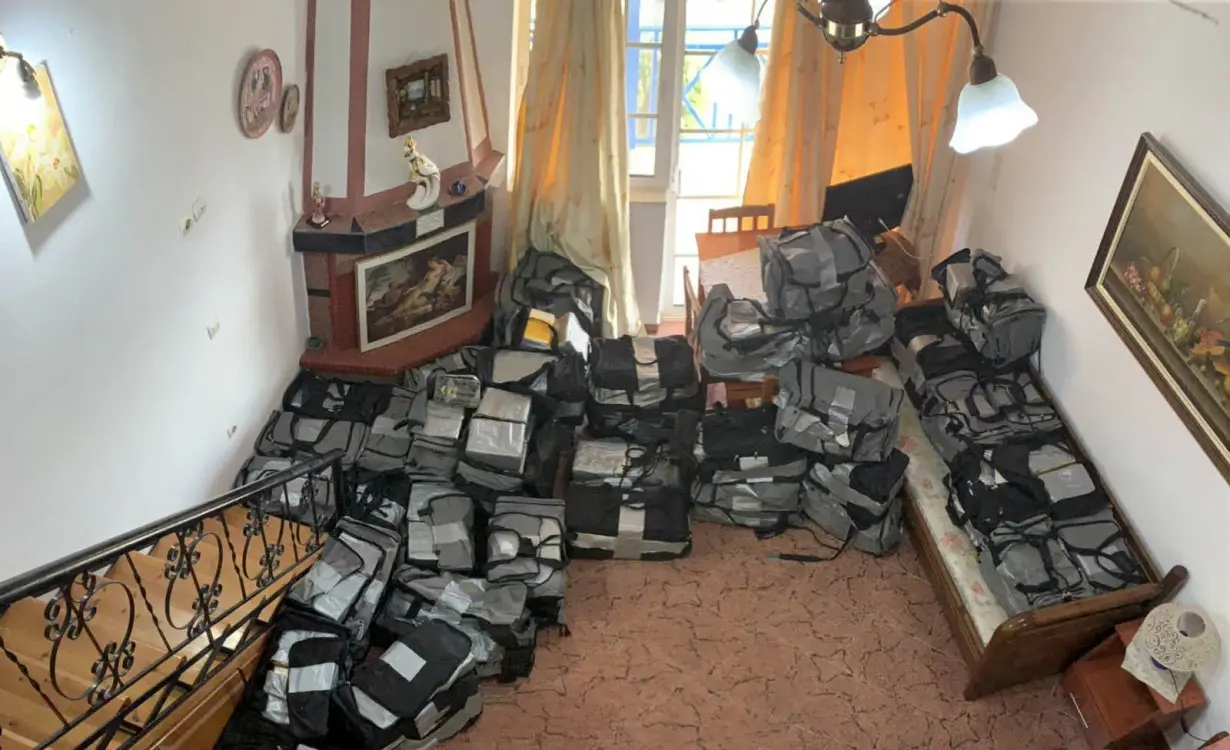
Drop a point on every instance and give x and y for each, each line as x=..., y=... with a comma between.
x=570, y=190
x=937, y=60
x=800, y=111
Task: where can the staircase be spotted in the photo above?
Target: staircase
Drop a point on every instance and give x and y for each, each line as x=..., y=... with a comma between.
x=147, y=640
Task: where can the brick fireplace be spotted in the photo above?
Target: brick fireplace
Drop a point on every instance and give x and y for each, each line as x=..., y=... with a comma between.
x=350, y=153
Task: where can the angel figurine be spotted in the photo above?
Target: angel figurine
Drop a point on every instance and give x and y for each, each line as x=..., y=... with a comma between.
x=318, y=220
x=424, y=175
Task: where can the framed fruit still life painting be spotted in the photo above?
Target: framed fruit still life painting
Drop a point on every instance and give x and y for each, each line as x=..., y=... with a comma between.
x=1162, y=278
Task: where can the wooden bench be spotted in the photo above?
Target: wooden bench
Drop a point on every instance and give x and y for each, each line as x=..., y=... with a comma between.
x=1003, y=651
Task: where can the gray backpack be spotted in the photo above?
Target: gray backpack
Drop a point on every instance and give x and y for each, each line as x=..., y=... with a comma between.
x=837, y=414
x=816, y=269
x=737, y=338
x=990, y=306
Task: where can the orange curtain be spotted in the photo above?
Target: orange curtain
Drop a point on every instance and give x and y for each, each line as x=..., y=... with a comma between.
x=874, y=130
x=937, y=60
x=800, y=111
x=570, y=186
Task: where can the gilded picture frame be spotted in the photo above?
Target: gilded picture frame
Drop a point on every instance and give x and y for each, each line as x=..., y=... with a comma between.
x=1162, y=278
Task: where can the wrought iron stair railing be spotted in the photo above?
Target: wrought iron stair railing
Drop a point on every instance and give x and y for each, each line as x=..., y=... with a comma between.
x=100, y=648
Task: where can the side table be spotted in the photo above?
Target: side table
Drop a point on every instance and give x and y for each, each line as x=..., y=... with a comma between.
x=1118, y=711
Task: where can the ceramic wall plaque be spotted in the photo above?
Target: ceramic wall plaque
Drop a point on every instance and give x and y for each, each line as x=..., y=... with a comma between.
x=260, y=93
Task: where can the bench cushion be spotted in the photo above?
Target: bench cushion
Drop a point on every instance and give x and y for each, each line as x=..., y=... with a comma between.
x=924, y=481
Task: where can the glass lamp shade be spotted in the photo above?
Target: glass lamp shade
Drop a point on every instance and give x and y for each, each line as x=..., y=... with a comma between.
x=990, y=114
x=734, y=75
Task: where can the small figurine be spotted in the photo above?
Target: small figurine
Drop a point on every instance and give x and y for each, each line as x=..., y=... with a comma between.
x=318, y=220
x=424, y=175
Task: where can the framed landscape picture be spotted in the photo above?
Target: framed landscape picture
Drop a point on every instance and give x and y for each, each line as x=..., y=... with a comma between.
x=416, y=288
x=417, y=95
x=1162, y=278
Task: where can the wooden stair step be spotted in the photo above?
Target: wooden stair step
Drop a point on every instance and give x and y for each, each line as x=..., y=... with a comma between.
x=12, y=681
x=232, y=580
x=75, y=660
x=155, y=582
x=293, y=536
x=23, y=720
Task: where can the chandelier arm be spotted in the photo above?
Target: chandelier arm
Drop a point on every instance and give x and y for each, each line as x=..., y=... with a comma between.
x=943, y=9
x=815, y=19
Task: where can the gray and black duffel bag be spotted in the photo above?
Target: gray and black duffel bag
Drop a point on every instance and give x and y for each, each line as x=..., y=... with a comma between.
x=288, y=435
x=549, y=282
x=607, y=522
x=494, y=615
x=1027, y=567
x=309, y=499
x=837, y=414
x=851, y=332
x=925, y=347
x=304, y=662
x=640, y=386
x=990, y=306
x=858, y=503
x=420, y=691
x=346, y=583
x=556, y=382
x=972, y=411
x=760, y=498
x=389, y=442
x=318, y=397
x=816, y=269
x=439, y=528
x=738, y=340
x=525, y=542
x=1097, y=545
x=1024, y=478
x=627, y=502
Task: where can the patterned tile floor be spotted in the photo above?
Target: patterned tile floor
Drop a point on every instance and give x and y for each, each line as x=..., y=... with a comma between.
x=728, y=649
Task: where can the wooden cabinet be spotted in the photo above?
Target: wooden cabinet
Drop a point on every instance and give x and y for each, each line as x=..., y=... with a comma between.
x=1118, y=711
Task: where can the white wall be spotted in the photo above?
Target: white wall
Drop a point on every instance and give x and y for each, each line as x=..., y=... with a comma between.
x=496, y=25
x=1099, y=74
x=115, y=403
x=403, y=32
x=331, y=98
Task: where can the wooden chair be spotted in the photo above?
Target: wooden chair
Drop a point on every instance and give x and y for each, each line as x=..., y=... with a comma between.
x=745, y=218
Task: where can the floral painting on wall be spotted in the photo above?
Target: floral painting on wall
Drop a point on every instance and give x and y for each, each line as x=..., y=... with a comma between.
x=1162, y=278
x=38, y=156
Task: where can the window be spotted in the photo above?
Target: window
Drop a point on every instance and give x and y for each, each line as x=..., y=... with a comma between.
x=652, y=57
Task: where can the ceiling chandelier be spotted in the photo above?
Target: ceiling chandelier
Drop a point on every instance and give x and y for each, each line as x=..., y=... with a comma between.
x=990, y=111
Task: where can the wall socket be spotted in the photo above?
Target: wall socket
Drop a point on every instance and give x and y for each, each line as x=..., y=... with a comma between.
x=212, y=329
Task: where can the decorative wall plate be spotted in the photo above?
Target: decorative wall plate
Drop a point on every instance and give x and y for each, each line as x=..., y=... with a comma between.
x=260, y=93
x=290, y=108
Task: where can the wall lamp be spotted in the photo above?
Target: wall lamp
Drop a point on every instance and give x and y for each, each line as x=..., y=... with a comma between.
x=990, y=111
x=24, y=70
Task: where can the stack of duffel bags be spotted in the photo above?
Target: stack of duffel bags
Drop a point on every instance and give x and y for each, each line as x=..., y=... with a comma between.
x=627, y=498
x=824, y=452
x=849, y=424
x=1034, y=508
x=825, y=301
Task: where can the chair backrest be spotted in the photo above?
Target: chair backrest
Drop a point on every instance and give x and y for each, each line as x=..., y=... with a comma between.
x=691, y=305
x=741, y=219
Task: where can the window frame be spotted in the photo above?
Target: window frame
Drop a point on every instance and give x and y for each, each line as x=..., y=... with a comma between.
x=656, y=187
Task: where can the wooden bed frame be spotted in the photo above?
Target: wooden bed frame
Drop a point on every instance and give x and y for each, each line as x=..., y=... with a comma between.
x=1045, y=641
